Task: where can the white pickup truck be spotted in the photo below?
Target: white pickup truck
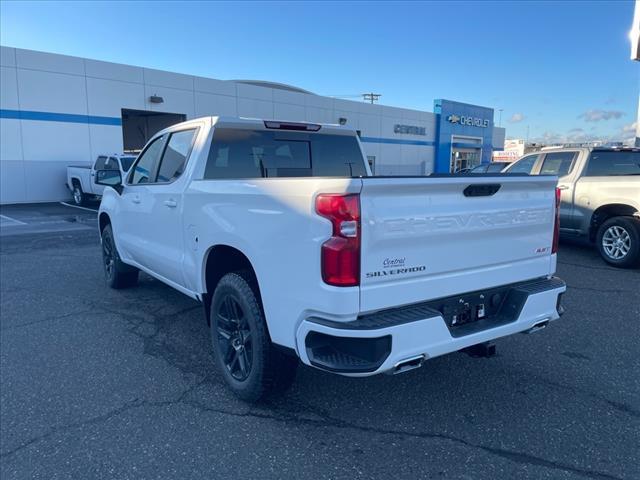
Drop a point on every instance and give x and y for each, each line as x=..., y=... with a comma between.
x=297, y=253
x=81, y=178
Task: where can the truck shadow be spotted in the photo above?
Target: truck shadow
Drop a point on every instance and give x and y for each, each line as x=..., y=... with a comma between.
x=455, y=393
x=536, y=391
x=454, y=389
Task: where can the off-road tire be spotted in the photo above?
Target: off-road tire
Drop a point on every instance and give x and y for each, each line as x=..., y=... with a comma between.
x=270, y=370
x=117, y=274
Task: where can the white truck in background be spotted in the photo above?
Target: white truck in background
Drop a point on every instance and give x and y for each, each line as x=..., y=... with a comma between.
x=298, y=254
x=81, y=178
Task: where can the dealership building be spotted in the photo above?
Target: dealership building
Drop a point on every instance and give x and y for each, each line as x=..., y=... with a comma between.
x=58, y=110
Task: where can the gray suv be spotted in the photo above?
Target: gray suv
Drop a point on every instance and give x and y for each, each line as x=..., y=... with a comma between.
x=600, y=196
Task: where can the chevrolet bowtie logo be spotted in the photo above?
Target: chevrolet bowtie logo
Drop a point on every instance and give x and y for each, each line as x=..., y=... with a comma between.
x=453, y=118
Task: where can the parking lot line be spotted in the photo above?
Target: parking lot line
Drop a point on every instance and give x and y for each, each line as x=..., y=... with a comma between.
x=10, y=222
x=76, y=206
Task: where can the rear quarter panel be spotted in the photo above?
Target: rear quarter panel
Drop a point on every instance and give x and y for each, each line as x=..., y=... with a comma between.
x=274, y=224
x=595, y=192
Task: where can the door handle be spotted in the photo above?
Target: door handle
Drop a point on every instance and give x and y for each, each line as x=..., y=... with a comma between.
x=563, y=187
x=135, y=199
x=171, y=203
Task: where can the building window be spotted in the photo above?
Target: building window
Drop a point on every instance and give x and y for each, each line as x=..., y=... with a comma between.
x=138, y=126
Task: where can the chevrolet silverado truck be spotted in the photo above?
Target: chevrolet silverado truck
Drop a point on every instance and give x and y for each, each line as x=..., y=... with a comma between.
x=81, y=179
x=600, y=196
x=298, y=254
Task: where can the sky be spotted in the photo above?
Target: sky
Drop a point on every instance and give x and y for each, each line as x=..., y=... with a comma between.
x=560, y=71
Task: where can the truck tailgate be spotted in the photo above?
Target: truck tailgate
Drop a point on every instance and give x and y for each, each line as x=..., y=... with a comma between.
x=423, y=238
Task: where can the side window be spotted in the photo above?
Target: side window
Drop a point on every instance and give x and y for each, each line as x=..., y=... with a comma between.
x=479, y=169
x=524, y=165
x=557, y=163
x=111, y=164
x=175, y=155
x=146, y=164
x=127, y=162
x=606, y=163
x=100, y=163
x=496, y=167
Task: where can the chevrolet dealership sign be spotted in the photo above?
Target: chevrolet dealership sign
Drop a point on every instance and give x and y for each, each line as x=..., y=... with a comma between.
x=469, y=121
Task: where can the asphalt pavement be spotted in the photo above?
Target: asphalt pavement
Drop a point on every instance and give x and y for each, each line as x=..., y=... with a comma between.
x=97, y=383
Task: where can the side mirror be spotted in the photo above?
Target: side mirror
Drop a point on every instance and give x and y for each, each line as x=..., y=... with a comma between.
x=110, y=178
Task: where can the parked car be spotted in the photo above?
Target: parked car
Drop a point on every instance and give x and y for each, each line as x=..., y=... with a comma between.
x=600, y=196
x=81, y=179
x=492, y=167
x=297, y=253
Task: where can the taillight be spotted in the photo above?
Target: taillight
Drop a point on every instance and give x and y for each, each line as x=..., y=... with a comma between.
x=340, y=255
x=556, y=226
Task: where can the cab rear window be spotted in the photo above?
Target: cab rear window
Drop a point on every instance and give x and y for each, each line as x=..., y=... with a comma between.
x=240, y=153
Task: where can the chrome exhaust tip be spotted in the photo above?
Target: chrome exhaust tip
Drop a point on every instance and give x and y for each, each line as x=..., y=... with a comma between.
x=407, y=364
x=537, y=327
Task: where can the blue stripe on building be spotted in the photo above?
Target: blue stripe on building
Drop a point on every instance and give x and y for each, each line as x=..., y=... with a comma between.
x=115, y=121
x=444, y=130
x=59, y=117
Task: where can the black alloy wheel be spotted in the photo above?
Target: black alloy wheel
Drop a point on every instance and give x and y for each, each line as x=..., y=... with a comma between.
x=234, y=338
x=117, y=274
x=251, y=366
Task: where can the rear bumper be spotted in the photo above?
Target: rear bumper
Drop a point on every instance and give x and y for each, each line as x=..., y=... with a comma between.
x=379, y=342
